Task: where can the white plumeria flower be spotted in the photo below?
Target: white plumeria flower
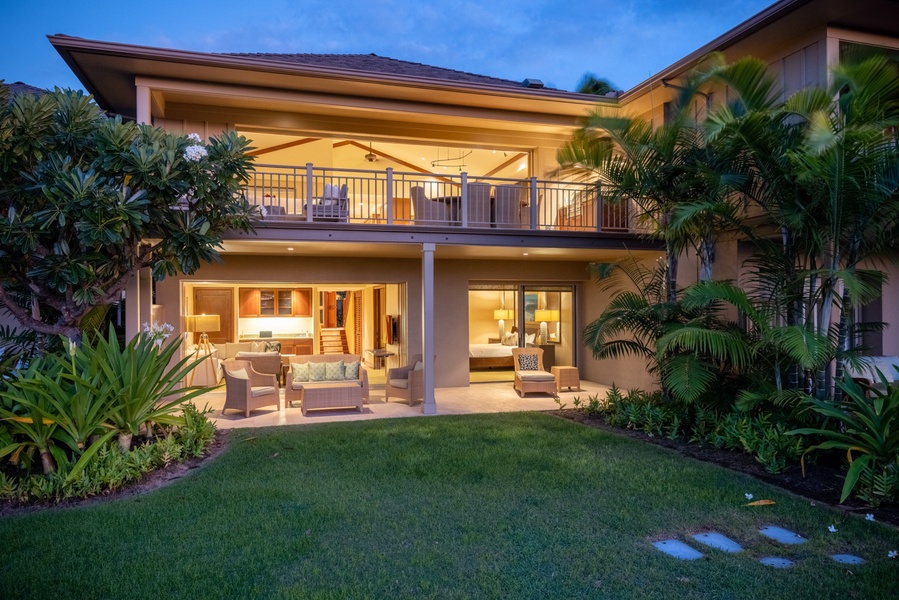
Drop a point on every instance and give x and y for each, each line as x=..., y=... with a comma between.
x=892, y=554
x=869, y=517
x=195, y=138
x=832, y=528
x=748, y=496
x=195, y=153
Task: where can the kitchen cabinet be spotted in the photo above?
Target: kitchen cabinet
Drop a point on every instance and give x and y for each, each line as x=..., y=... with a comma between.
x=302, y=302
x=275, y=302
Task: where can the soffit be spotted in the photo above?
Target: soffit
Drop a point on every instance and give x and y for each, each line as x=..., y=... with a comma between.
x=108, y=70
x=413, y=251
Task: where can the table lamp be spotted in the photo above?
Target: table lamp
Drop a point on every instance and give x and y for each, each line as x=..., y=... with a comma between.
x=543, y=316
x=501, y=314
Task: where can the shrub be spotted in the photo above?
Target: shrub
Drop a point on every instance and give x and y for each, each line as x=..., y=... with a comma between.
x=867, y=429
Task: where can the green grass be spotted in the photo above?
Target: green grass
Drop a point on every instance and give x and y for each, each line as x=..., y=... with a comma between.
x=483, y=506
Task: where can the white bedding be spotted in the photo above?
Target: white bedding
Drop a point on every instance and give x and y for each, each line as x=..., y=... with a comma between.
x=489, y=350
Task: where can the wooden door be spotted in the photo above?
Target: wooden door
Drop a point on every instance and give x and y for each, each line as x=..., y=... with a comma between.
x=329, y=309
x=217, y=301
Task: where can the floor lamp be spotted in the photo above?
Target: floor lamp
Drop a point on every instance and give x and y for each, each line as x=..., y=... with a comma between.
x=202, y=324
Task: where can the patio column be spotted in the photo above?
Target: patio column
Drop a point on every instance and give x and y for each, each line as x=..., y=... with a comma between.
x=144, y=116
x=429, y=404
x=138, y=302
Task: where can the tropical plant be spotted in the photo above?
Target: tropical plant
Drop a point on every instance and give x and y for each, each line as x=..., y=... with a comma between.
x=867, y=429
x=145, y=388
x=87, y=200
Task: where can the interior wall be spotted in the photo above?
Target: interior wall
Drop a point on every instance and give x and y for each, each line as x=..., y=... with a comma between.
x=481, y=324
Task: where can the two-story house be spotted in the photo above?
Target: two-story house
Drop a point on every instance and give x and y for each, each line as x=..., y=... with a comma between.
x=407, y=207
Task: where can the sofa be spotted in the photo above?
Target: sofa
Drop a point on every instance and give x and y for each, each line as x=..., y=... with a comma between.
x=313, y=391
x=268, y=363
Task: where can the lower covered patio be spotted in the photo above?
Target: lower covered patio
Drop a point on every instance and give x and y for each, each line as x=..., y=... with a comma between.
x=490, y=397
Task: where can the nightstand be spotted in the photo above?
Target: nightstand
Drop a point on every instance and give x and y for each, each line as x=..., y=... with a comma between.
x=493, y=340
x=549, y=355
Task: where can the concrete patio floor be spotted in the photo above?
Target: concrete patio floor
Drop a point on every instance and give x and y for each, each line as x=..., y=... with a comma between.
x=477, y=398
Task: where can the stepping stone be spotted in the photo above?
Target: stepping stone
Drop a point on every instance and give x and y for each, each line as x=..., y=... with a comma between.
x=782, y=535
x=677, y=549
x=848, y=559
x=717, y=541
x=777, y=563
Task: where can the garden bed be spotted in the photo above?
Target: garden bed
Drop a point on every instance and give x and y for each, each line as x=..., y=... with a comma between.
x=822, y=482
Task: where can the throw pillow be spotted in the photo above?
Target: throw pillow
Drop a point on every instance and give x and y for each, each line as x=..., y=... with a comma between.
x=351, y=370
x=510, y=339
x=239, y=374
x=272, y=347
x=418, y=366
x=527, y=362
x=258, y=347
x=300, y=372
x=334, y=371
x=318, y=371
x=530, y=337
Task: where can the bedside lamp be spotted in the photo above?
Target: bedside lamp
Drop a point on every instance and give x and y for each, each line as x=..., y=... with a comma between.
x=543, y=316
x=500, y=315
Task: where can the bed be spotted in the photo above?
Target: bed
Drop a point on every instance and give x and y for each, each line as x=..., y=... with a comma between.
x=489, y=356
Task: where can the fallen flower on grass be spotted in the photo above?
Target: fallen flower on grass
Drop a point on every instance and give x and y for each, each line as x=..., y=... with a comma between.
x=869, y=517
x=892, y=554
x=832, y=528
x=748, y=496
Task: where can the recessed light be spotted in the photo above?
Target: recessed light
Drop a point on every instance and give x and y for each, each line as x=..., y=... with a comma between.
x=291, y=249
x=525, y=254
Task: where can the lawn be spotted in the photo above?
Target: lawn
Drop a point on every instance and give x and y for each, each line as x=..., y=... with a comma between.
x=519, y=505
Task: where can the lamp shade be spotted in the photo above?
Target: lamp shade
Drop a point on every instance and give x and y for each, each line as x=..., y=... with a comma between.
x=546, y=315
x=503, y=313
x=201, y=323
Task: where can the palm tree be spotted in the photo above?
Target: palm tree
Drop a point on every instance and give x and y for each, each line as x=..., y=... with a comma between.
x=591, y=84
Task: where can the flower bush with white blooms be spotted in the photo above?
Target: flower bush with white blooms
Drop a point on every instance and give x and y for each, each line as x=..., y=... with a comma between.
x=197, y=151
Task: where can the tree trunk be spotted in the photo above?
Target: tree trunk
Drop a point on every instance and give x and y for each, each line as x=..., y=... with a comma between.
x=47, y=462
x=706, y=256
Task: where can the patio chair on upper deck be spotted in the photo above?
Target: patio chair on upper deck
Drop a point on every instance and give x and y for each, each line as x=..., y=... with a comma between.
x=427, y=212
x=333, y=205
x=507, y=206
x=479, y=204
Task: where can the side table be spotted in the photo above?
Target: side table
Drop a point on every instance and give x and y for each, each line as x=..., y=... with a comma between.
x=566, y=377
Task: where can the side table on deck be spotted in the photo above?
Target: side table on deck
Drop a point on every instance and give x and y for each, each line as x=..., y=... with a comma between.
x=566, y=377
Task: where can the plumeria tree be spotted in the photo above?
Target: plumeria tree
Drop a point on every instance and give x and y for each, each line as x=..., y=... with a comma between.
x=87, y=200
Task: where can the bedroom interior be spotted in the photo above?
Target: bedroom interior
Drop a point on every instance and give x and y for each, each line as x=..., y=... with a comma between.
x=496, y=325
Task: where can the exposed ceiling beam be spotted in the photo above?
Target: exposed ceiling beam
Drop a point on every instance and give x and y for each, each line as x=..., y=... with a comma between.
x=399, y=161
x=292, y=144
x=505, y=164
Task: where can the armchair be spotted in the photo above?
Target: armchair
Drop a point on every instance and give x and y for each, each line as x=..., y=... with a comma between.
x=247, y=390
x=529, y=373
x=406, y=382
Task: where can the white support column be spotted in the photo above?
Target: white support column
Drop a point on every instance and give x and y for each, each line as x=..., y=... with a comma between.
x=142, y=109
x=132, y=307
x=429, y=404
x=138, y=302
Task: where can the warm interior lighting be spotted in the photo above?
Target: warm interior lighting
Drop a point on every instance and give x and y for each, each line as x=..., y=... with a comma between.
x=500, y=314
x=543, y=316
x=202, y=324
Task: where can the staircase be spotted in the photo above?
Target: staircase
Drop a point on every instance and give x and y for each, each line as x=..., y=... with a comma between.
x=333, y=341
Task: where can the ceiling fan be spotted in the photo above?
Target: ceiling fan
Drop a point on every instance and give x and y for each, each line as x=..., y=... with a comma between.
x=371, y=156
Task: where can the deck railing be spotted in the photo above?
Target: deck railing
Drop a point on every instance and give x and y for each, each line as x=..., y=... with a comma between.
x=388, y=197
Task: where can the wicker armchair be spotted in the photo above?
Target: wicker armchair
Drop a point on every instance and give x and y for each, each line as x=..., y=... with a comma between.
x=248, y=390
x=532, y=380
x=406, y=382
